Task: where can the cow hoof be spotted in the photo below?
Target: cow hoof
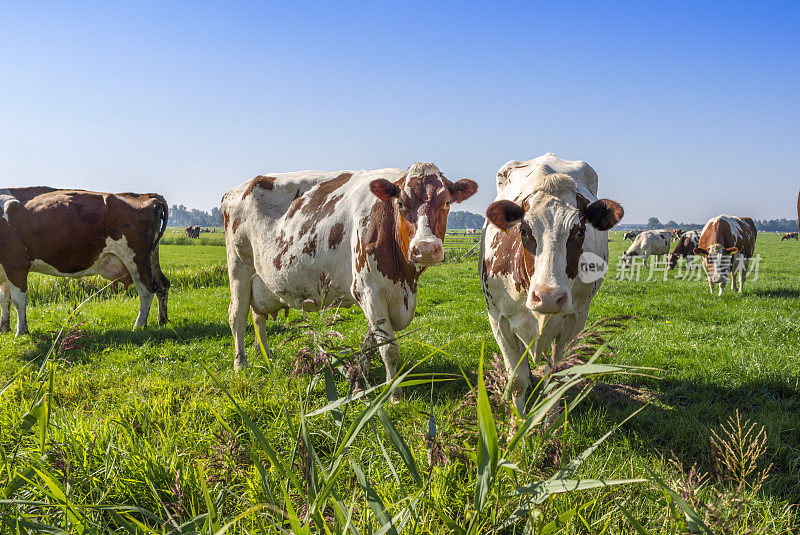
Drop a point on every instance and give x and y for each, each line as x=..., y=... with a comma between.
x=239, y=363
x=397, y=395
x=5, y=328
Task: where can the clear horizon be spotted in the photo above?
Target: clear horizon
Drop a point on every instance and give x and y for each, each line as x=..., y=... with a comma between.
x=685, y=110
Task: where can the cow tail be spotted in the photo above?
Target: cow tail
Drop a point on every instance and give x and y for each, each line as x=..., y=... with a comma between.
x=162, y=215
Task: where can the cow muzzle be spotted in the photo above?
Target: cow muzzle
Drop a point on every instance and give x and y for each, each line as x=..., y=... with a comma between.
x=427, y=253
x=549, y=300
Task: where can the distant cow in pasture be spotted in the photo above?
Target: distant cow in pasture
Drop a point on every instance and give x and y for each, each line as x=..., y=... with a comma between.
x=684, y=248
x=192, y=232
x=631, y=234
x=369, y=234
x=648, y=243
x=676, y=233
x=545, y=222
x=726, y=244
x=469, y=232
x=789, y=236
x=75, y=233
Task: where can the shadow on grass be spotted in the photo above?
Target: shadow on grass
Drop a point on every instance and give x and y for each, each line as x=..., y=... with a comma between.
x=778, y=293
x=86, y=345
x=681, y=421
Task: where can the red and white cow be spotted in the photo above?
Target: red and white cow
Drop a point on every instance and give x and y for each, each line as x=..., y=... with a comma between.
x=545, y=221
x=684, y=248
x=646, y=244
x=789, y=236
x=727, y=243
x=371, y=234
x=75, y=233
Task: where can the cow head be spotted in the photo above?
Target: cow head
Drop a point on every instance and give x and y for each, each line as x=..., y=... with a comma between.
x=421, y=201
x=718, y=261
x=553, y=220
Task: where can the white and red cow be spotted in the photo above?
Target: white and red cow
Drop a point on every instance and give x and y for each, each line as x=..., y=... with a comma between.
x=370, y=234
x=75, y=233
x=789, y=236
x=646, y=244
x=727, y=244
x=684, y=248
x=545, y=217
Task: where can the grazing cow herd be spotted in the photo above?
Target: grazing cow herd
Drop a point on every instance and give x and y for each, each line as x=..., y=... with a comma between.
x=309, y=239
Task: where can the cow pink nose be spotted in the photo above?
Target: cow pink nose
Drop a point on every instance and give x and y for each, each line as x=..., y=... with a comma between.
x=548, y=299
x=427, y=252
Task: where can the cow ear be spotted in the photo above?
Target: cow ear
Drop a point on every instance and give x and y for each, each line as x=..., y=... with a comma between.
x=463, y=189
x=384, y=190
x=731, y=250
x=700, y=251
x=504, y=214
x=604, y=213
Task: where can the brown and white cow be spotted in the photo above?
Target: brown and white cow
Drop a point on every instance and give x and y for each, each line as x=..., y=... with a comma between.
x=75, y=233
x=371, y=234
x=684, y=248
x=789, y=236
x=543, y=233
x=727, y=243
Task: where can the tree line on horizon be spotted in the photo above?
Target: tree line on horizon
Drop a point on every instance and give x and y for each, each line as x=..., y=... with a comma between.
x=762, y=225
x=180, y=216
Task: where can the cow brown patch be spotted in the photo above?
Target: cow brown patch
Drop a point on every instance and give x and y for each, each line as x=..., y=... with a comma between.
x=380, y=239
x=575, y=248
x=264, y=182
x=310, y=248
x=283, y=245
x=236, y=223
x=319, y=204
x=336, y=235
x=225, y=220
x=511, y=257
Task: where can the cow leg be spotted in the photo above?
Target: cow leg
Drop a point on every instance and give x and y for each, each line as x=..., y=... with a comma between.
x=722, y=286
x=711, y=286
x=240, y=276
x=162, y=287
x=145, y=301
x=382, y=332
x=518, y=369
x=5, y=307
x=20, y=300
x=644, y=263
x=743, y=273
x=260, y=323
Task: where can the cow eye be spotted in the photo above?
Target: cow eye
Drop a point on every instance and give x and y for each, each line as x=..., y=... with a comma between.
x=447, y=203
x=524, y=232
x=582, y=232
x=400, y=204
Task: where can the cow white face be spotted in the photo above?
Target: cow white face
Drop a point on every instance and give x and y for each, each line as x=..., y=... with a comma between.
x=421, y=201
x=552, y=223
x=717, y=261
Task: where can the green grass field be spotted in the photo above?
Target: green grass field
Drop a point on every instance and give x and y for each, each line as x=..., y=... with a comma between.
x=135, y=420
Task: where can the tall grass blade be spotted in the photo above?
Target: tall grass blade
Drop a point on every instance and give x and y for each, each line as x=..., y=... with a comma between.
x=374, y=501
x=400, y=446
x=488, y=453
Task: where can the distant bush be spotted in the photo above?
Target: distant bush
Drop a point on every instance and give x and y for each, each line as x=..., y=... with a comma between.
x=464, y=220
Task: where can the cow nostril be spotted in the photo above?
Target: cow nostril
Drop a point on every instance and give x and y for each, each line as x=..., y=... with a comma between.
x=561, y=301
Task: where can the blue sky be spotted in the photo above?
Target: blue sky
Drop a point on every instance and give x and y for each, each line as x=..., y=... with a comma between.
x=686, y=110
